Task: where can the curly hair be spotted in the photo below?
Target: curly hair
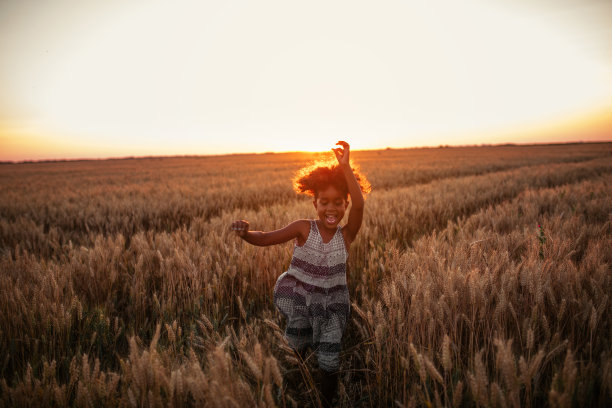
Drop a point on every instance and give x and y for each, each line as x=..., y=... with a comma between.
x=322, y=174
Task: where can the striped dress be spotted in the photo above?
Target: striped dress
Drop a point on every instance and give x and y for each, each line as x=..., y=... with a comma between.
x=313, y=296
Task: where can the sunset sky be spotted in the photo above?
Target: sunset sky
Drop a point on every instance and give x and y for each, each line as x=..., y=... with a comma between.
x=110, y=78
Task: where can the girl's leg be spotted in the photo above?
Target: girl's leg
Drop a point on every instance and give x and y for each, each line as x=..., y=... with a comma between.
x=290, y=301
x=329, y=387
x=299, y=335
x=329, y=346
x=328, y=355
x=328, y=342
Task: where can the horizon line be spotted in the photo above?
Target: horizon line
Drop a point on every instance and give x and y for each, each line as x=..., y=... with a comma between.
x=445, y=146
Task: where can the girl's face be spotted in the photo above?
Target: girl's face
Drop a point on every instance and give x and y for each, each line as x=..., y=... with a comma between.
x=330, y=204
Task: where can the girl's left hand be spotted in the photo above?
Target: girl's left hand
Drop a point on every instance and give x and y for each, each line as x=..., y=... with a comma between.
x=342, y=154
x=240, y=227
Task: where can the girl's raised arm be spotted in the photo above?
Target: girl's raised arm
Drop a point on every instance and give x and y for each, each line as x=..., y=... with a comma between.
x=356, y=214
x=297, y=229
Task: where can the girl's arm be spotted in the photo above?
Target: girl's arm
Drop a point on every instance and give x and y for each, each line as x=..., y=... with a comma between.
x=298, y=229
x=356, y=214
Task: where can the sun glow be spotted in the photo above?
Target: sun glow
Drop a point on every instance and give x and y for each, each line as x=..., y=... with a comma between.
x=218, y=77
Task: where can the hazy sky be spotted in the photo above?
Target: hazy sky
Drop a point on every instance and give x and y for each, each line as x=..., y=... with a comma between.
x=103, y=78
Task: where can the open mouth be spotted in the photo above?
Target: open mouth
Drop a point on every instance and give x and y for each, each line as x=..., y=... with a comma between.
x=331, y=219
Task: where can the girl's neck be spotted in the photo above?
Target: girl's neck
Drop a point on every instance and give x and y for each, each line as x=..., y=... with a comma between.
x=327, y=234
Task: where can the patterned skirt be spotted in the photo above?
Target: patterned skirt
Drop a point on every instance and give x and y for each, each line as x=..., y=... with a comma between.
x=316, y=317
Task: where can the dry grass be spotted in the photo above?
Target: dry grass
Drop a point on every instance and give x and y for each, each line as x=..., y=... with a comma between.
x=122, y=284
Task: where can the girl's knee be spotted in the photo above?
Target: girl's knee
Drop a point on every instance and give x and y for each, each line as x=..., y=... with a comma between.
x=328, y=362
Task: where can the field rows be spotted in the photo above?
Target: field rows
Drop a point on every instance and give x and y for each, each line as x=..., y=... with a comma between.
x=459, y=298
x=130, y=196
x=494, y=287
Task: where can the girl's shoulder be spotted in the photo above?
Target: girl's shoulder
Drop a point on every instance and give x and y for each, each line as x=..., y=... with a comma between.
x=304, y=225
x=303, y=228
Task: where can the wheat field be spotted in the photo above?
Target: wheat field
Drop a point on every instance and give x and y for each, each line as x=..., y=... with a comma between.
x=481, y=277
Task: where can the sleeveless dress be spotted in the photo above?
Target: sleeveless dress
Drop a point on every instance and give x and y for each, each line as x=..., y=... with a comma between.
x=313, y=296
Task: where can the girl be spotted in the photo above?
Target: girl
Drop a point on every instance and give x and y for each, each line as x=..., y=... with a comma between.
x=312, y=294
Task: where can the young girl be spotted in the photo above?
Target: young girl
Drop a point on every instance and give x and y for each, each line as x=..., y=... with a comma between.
x=312, y=294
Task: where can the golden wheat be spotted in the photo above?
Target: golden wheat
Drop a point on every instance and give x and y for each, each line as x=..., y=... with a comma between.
x=481, y=276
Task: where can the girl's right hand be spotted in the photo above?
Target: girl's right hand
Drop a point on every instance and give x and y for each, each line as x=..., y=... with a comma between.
x=241, y=228
x=342, y=153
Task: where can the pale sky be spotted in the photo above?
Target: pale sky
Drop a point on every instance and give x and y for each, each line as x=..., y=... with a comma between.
x=109, y=78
